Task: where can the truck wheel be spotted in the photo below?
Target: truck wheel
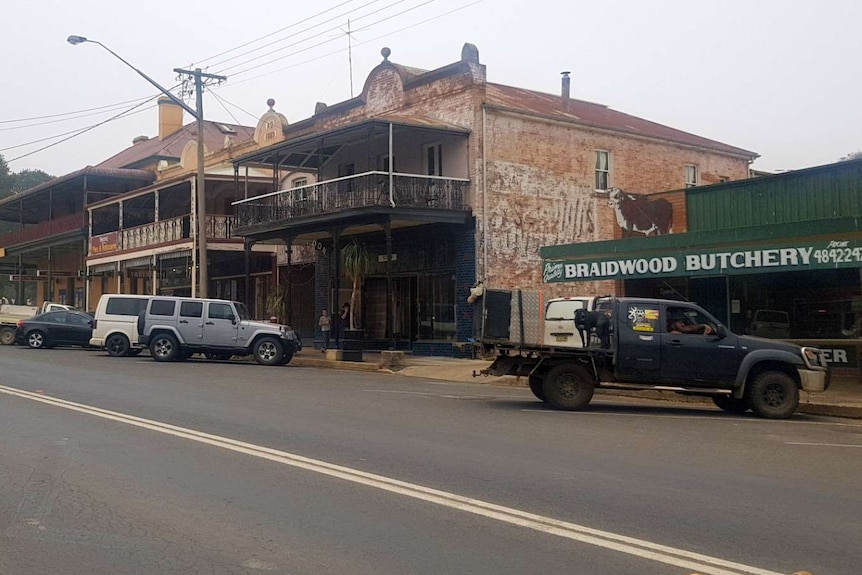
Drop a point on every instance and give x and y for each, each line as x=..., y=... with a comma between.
x=117, y=345
x=268, y=351
x=568, y=386
x=773, y=395
x=537, y=383
x=730, y=404
x=164, y=347
x=7, y=336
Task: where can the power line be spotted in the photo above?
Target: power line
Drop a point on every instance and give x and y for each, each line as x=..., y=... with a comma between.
x=70, y=113
x=78, y=133
x=250, y=42
x=256, y=118
x=219, y=100
x=332, y=39
x=295, y=34
x=104, y=110
x=298, y=42
x=341, y=50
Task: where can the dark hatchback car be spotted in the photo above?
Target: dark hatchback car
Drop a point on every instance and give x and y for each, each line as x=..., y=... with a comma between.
x=55, y=328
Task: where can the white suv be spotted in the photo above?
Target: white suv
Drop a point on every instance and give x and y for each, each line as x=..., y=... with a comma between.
x=174, y=328
x=115, y=323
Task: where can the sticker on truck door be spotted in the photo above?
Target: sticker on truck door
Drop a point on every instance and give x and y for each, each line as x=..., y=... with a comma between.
x=642, y=319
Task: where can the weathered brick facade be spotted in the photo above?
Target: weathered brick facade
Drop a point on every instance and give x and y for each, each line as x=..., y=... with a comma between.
x=535, y=161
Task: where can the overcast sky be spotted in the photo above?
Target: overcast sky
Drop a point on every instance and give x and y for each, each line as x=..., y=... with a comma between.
x=778, y=77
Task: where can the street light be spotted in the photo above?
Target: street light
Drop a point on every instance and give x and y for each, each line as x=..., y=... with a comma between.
x=200, y=204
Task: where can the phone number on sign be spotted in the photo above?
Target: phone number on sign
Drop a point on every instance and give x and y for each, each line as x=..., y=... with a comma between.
x=838, y=256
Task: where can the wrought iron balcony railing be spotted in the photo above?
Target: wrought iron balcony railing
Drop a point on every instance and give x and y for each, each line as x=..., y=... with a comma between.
x=173, y=229
x=364, y=190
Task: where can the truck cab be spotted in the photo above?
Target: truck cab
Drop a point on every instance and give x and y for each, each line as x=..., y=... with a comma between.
x=674, y=343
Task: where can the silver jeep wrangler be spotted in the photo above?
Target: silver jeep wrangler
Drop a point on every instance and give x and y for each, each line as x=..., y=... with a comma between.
x=175, y=328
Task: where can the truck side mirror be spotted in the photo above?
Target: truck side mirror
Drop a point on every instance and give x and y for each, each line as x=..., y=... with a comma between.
x=720, y=332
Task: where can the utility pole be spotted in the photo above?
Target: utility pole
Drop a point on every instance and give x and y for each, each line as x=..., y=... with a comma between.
x=198, y=114
x=200, y=188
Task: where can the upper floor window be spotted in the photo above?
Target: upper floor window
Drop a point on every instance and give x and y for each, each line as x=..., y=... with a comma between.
x=433, y=159
x=603, y=170
x=690, y=176
x=299, y=182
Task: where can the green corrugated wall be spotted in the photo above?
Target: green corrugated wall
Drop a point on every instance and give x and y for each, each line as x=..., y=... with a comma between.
x=822, y=193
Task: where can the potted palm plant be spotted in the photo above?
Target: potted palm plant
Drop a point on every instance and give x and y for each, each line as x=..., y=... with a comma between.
x=357, y=264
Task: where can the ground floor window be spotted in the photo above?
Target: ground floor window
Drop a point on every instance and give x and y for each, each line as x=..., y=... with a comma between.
x=823, y=304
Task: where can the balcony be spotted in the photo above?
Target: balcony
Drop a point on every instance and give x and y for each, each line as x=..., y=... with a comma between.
x=43, y=230
x=365, y=191
x=172, y=230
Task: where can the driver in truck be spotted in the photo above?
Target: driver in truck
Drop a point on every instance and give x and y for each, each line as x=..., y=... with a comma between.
x=679, y=326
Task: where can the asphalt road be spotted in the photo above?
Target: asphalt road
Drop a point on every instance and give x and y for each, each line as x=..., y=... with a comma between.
x=130, y=466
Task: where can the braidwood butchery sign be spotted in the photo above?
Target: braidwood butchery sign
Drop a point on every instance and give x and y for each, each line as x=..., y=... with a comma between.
x=818, y=256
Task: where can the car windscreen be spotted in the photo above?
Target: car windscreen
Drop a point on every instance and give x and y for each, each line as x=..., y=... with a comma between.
x=563, y=309
x=242, y=311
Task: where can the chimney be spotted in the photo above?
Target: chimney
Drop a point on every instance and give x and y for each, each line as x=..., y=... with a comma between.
x=170, y=117
x=566, y=87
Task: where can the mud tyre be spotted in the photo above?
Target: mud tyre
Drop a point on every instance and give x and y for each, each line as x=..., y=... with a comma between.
x=773, y=395
x=568, y=387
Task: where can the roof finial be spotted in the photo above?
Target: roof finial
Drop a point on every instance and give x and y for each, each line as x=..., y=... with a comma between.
x=385, y=53
x=271, y=104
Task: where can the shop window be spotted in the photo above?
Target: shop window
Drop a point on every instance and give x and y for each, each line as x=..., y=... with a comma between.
x=436, y=306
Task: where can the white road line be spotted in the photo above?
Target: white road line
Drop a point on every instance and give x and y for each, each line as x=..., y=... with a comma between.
x=823, y=444
x=629, y=545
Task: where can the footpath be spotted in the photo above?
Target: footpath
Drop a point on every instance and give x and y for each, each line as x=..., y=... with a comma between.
x=842, y=399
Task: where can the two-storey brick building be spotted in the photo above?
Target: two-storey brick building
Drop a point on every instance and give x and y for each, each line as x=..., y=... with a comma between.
x=447, y=178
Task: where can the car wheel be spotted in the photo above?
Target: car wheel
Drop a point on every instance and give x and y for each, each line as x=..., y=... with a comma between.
x=568, y=386
x=36, y=339
x=7, y=336
x=117, y=345
x=730, y=404
x=164, y=347
x=268, y=351
x=773, y=395
x=537, y=384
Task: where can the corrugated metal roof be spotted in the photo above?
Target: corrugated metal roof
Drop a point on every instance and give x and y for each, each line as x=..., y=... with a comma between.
x=599, y=116
x=88, y=171
x=172, y=146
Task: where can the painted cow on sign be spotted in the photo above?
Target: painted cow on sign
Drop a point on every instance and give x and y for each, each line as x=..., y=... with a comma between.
x=639, y=214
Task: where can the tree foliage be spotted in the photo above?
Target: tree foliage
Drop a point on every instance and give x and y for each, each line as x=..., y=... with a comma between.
x=7, y=179
x=851, y=156
x=26, y=179
x=12, y=183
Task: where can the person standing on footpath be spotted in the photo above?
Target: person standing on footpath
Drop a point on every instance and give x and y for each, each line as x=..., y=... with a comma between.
x=345, y=317
x=325, y=322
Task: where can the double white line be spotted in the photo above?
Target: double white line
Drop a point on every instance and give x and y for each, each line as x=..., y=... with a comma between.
x=637, y=547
